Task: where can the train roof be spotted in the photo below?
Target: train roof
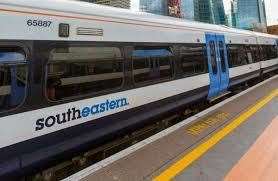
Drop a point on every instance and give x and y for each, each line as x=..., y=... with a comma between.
x=84, y=8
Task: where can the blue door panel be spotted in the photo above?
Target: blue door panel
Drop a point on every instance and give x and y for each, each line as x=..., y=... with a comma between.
x=212, y=65
x=217, y=64
x=223, y=63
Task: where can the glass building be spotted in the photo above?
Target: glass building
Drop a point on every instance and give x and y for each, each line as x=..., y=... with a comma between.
x=232, y=15
x=250, y=14
x=203, y=11
x=187, y=9
x=244, y=14
x=115, y=3
x=218, y=12
x=154, y=6
x=208, y=11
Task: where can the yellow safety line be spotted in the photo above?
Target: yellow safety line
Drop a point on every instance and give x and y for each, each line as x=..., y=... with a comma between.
x=189, y=158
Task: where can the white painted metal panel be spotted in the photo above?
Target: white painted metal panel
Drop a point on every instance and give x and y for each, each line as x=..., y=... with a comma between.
x=269, y=63
x=17, y=129
x=117, y=24
x=241, y=70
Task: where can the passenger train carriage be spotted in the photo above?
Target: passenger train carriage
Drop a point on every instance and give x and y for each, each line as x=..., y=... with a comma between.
x=73, y=74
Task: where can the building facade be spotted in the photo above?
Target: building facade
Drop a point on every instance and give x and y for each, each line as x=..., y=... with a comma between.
x=203, y=11
x=233, y=15
x=250, y=14
x=273, y=30
x=154, y=6
x=115, y=3
x=218, y=12
x=174, y=8
x=187, y=9
x=208, y=11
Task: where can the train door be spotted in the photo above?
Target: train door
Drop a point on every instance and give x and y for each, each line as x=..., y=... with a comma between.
x=217, y=65
x=223, y=61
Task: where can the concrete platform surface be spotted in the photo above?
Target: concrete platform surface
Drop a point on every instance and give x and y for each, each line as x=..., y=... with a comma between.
x=219, y=161
x=199, y=148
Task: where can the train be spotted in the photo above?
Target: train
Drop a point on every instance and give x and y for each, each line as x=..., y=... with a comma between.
x=74, y=74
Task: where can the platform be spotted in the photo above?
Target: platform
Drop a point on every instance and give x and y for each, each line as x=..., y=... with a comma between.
x=235, y=139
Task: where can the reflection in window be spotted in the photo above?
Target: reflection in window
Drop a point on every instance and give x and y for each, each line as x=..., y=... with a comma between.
x=151, y=64
x=13, y=75
x=249, y=55
x=75, y=71
x=256, y=53
x=213, y=57
x=237, y=55
x=222, y=56
x=193, y=59
x=269, y=52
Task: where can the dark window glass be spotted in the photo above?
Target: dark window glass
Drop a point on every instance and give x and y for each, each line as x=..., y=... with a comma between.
x=151, y=64
x=276, y=50
x=237, y=55
x=193, y=59
x=13, y=77
x=222, y=56
x=213, y=57
x=75, y=71
x=256, y=53
x=263, y=53
x=270, y=52
x=248, y=54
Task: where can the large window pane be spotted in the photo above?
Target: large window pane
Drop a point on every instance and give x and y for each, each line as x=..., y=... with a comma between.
x=256, y=53
x=237, y=55
x=13, y=77
x=75, y=71
x=193, y=60
x=270, y=51
x=249, y=55
x=151, y=64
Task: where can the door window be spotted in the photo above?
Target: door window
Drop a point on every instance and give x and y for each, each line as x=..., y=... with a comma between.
x=222, y=56
x=213, y=57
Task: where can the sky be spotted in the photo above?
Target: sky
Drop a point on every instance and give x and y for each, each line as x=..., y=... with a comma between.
x=271, y=7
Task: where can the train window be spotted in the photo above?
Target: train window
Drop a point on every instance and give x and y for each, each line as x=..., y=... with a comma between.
x=263, y=53
x=79, y=70
x=256, y=53
x=237, y=55
x=213, y=57
x=193, y=59
x=248, y=52
x=222, y=56
x=151, y=64
x=270, y=51
x=13, y=77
